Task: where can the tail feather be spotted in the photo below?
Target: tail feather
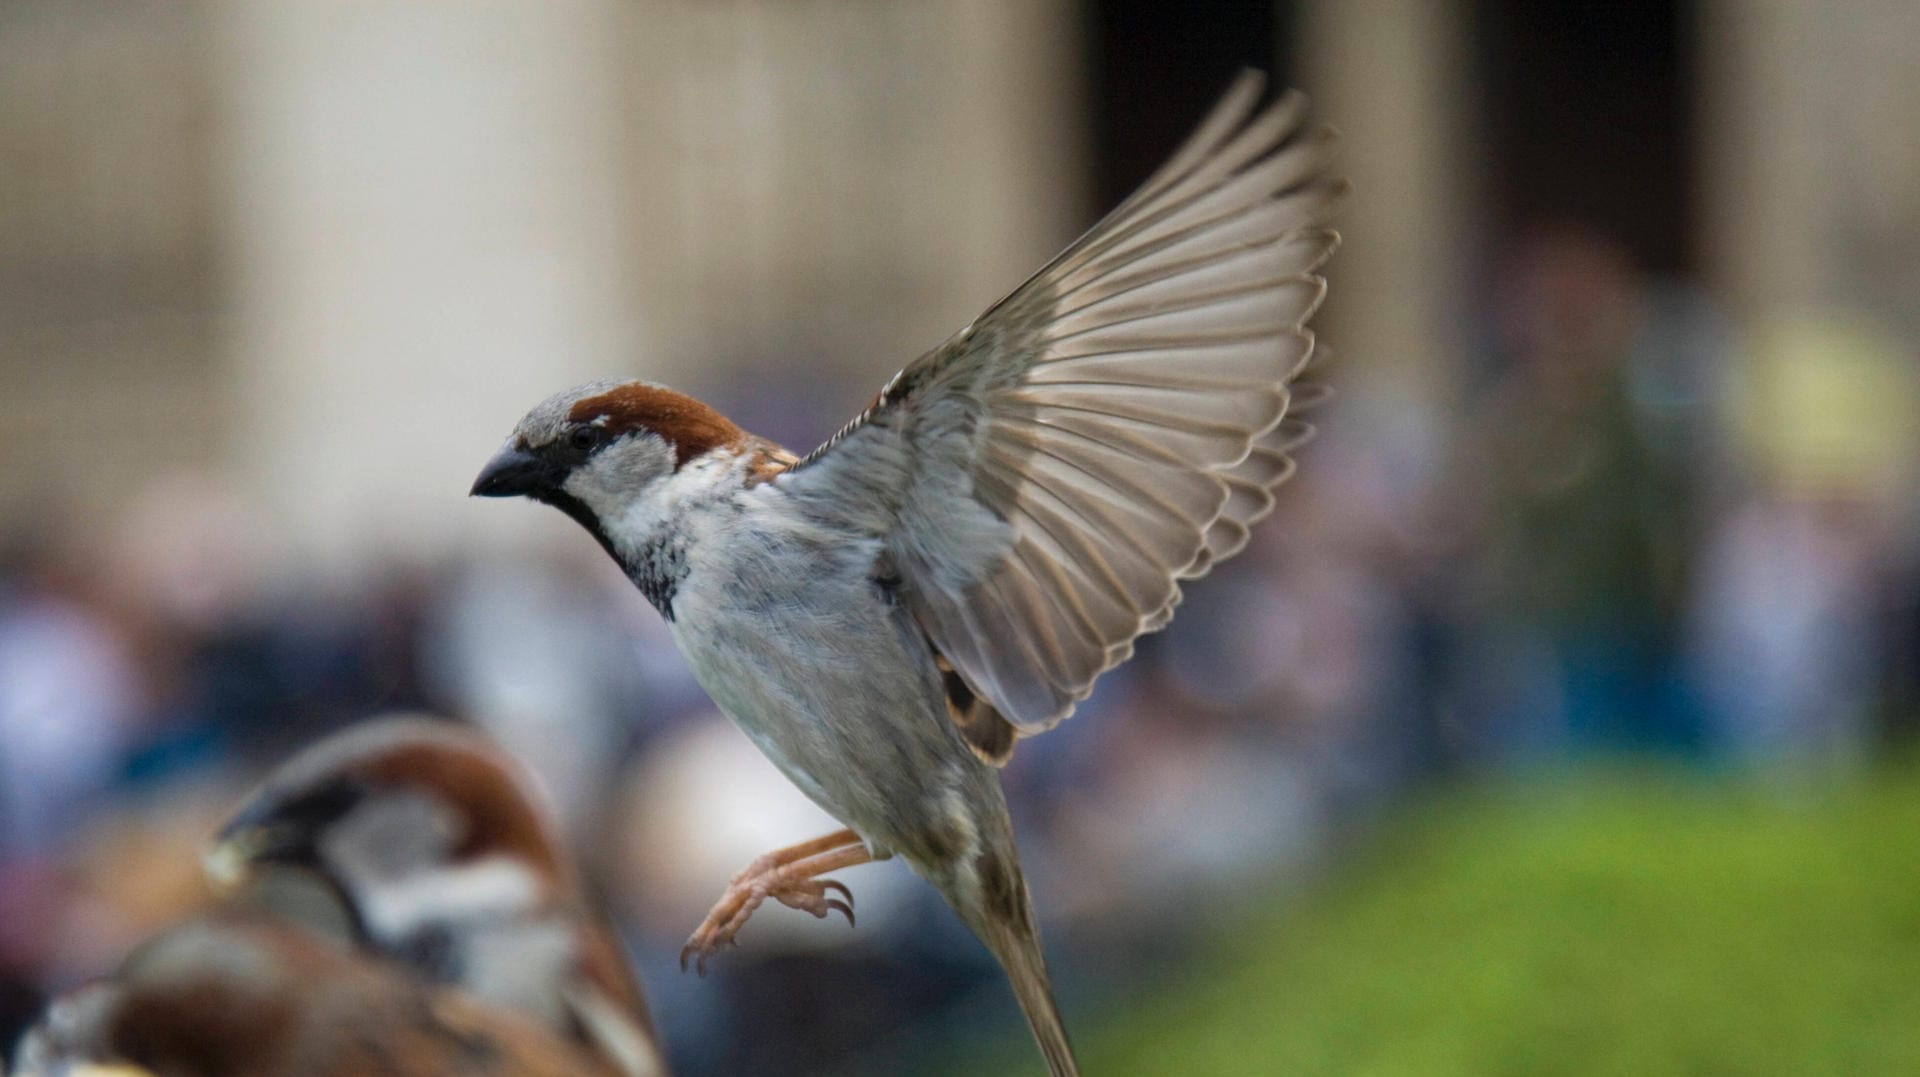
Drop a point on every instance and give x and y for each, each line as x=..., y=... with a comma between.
x=1015, y=942
x=1028, y=973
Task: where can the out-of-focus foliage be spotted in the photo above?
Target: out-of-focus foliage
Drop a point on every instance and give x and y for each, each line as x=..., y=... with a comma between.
x=1627, y=923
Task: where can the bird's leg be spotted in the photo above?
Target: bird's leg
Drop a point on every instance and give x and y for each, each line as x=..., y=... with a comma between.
x=788, y=876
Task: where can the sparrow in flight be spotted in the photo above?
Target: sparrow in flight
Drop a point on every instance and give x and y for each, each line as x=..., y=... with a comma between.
x=885, y=616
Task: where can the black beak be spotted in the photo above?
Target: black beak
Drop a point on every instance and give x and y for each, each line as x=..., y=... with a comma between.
x=248, y=842
x=235, y=853
x=271, y=829
x=513, y=472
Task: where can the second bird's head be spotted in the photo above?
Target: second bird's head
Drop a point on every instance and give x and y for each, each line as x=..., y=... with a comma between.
x=412, y=824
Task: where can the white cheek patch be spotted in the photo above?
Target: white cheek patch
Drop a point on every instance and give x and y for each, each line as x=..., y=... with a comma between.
x=615, y=477
x=388, y=836
x=493, y=886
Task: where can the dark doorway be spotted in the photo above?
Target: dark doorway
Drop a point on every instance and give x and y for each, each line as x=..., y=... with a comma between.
x=1155, y=67
x=1589, y=113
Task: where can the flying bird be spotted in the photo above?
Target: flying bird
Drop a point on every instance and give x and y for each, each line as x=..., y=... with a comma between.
x=398, y=902
x=886, y=615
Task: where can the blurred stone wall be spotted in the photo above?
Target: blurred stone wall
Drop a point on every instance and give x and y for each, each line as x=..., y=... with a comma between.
x=1810, y=145
x=842, y=183
x=109, y=294
x=331, y=252
x=1810, y=153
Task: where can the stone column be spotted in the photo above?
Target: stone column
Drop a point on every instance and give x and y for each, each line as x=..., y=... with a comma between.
x=1810, y=145
x=424, y=238
x=1393, y=75
x=441, y=213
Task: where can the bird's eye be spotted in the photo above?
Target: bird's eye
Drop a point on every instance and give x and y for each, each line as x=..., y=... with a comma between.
x=584, y=438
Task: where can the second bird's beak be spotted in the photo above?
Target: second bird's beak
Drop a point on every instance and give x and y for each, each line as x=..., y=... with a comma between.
x=513, y=472
x=230, y=860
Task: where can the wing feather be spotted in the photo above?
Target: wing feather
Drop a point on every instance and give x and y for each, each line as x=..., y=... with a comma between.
x=1045, y=480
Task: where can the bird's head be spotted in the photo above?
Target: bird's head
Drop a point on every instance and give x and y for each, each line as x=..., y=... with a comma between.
x=594, y=450
x=432, y=842
x=415, y=823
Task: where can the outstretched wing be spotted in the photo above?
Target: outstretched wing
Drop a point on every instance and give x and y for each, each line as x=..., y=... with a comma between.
x=1045, y=479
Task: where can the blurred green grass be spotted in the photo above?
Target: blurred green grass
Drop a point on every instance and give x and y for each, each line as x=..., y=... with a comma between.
x=1625, y=923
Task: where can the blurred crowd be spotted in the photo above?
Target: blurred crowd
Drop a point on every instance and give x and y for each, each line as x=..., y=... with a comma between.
x=1637, y=530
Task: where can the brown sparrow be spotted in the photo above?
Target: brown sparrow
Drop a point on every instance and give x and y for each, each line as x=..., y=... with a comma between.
x=444, y=861
x=954, y=568
x=403, y=865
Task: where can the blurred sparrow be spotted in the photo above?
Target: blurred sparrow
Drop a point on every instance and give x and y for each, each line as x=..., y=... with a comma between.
x=955, y=567
x=397, y=903
x=236, y=995
x=432, y=838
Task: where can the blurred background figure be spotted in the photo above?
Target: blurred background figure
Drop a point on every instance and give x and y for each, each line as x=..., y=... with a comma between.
x=1579, y=488
x=1797, y=629
x=1615, y=504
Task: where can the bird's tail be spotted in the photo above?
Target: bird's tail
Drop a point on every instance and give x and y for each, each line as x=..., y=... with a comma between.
x=1011, y=932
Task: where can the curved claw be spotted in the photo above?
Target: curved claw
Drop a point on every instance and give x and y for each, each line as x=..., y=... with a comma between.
x=791, y=885
x=699, y=952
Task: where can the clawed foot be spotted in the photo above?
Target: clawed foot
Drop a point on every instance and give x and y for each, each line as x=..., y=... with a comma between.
x=789, y=884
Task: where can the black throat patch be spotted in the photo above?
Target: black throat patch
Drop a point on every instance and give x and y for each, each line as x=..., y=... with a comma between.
x=657, y=570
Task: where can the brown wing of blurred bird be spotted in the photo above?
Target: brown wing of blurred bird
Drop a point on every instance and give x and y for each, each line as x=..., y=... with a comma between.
x=233, y=994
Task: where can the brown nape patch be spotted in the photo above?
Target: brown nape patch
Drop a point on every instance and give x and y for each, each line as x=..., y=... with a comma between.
x=501, y=815
x=769, y=462
x=989, y=734
x=692, y=427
